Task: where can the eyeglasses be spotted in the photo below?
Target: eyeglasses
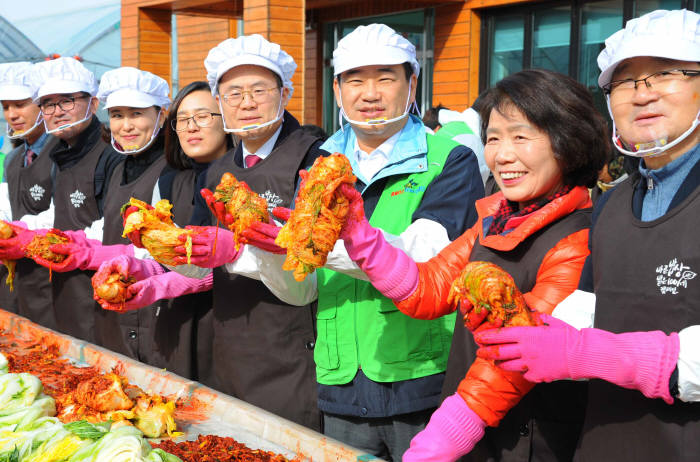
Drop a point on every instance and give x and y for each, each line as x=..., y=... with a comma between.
x=258, y=95
x=66, y=104
x=201, y=119
x=657, y=81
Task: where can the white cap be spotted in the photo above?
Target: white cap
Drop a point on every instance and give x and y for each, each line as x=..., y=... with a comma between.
x=62, y=75
x=131, y=87
x=248, y=49
x=16, y=81
x=373, y=45
x=661, y=34
x=469, y=116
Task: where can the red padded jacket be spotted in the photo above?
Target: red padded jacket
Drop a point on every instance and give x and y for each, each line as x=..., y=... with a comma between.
x=488, y=390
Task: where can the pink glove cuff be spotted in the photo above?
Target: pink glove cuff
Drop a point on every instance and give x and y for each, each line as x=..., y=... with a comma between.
x=453, y=431
x=183, y=285
x=103, y=253
x=645, y=362
x=390, y=270
x=462, y=425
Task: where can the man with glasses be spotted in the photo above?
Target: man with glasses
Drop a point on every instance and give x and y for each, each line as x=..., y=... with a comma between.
x=28, y=185
x=83, y=167
x=641, y=279
x=262, y=348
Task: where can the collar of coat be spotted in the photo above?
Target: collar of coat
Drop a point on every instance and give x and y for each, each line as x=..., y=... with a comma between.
x=578, y=198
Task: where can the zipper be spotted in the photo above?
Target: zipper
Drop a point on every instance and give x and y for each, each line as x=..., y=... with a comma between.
x=650, y=183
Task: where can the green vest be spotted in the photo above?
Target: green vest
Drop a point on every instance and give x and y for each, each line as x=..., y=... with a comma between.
x=358, y=326
x=452, y=129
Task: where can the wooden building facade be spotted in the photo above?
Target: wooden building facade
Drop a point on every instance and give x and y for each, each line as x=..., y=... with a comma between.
x=463, y=45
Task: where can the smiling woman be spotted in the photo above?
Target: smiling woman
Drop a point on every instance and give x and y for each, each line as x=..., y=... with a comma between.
x=543, y=153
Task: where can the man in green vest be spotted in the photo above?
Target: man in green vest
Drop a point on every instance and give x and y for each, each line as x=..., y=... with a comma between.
x=379, y=371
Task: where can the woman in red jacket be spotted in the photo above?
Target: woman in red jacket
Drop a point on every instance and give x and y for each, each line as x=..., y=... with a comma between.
x=544, y=152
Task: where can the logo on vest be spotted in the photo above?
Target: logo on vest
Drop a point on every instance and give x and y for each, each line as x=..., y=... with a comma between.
x=410, y=187
x=37, y=192
x=673, y=276
x=273, y=200
x=77, y=198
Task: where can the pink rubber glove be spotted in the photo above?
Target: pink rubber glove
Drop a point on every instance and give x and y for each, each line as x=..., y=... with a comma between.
x=87, y=254
x=159, y=287
x=129, y=266
x=211, y=247
x=452, y=432
x=13, y=248
x=554, y=351
x=390, y=270
x=263, y=235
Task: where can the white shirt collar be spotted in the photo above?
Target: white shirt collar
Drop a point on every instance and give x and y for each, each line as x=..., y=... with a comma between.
x=371, y=163
x=265, y=149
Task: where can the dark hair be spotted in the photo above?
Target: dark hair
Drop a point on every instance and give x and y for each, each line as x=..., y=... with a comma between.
x=431, y=117
x=107, y=133
x=174, y=154
x=563, y=109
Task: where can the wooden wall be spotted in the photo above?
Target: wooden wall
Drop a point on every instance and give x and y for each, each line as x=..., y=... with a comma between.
x=196, y=35
x=281, y=22
x=456, y=56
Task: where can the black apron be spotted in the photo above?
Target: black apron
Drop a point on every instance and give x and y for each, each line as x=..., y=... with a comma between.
x=546, y=423
x=76, y=208
x=30, y=190
x=262, y=350
x=127, y=333
x=177, y=342
x=645, y=278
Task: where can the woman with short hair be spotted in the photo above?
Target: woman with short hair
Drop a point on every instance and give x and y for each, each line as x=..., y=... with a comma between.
x=544, y=153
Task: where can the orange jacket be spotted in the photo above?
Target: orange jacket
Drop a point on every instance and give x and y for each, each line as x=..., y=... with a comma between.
x=488, y=390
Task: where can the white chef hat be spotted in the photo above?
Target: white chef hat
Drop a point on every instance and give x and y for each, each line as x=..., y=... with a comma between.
x=661, y=33
x=373, y=45
x=62, y=75
x=16, y=81
x=248, y=49
x=131, y=87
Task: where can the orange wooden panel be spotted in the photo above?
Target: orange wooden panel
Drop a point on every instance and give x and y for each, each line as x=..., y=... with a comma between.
x=299, y=3
x=491, y=3
x=452, y=52
x=445, y=30
x=451, y=14
x=284, y=39
x=286, y=25
x=130, y=20
x=451, y=87
x=253, y=14
x=474, y=54
x=451, y=64
x=451, y=76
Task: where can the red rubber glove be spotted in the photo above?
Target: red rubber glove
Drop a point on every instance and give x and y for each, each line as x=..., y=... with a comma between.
x=134, y=236
x=263, y=235
x=159, y=287
x=216, y=207
x=475, y=321
x=68, y=264
x=13, y=248
x=211, y=247
x=556, y=350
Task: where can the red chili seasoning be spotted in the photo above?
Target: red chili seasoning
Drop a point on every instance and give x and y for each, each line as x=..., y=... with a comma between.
x=210, y=448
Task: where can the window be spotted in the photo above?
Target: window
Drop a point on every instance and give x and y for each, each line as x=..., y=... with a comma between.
x=541, y=35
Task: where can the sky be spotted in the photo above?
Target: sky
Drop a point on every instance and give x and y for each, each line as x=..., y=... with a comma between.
x=17, y=11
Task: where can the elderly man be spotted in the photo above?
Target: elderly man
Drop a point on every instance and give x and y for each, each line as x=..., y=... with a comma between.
x=380, y=373
x=641, y=278
x=28, y=186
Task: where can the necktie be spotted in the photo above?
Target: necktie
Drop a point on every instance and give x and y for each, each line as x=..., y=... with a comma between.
x=251, y=160
x=31, y=155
